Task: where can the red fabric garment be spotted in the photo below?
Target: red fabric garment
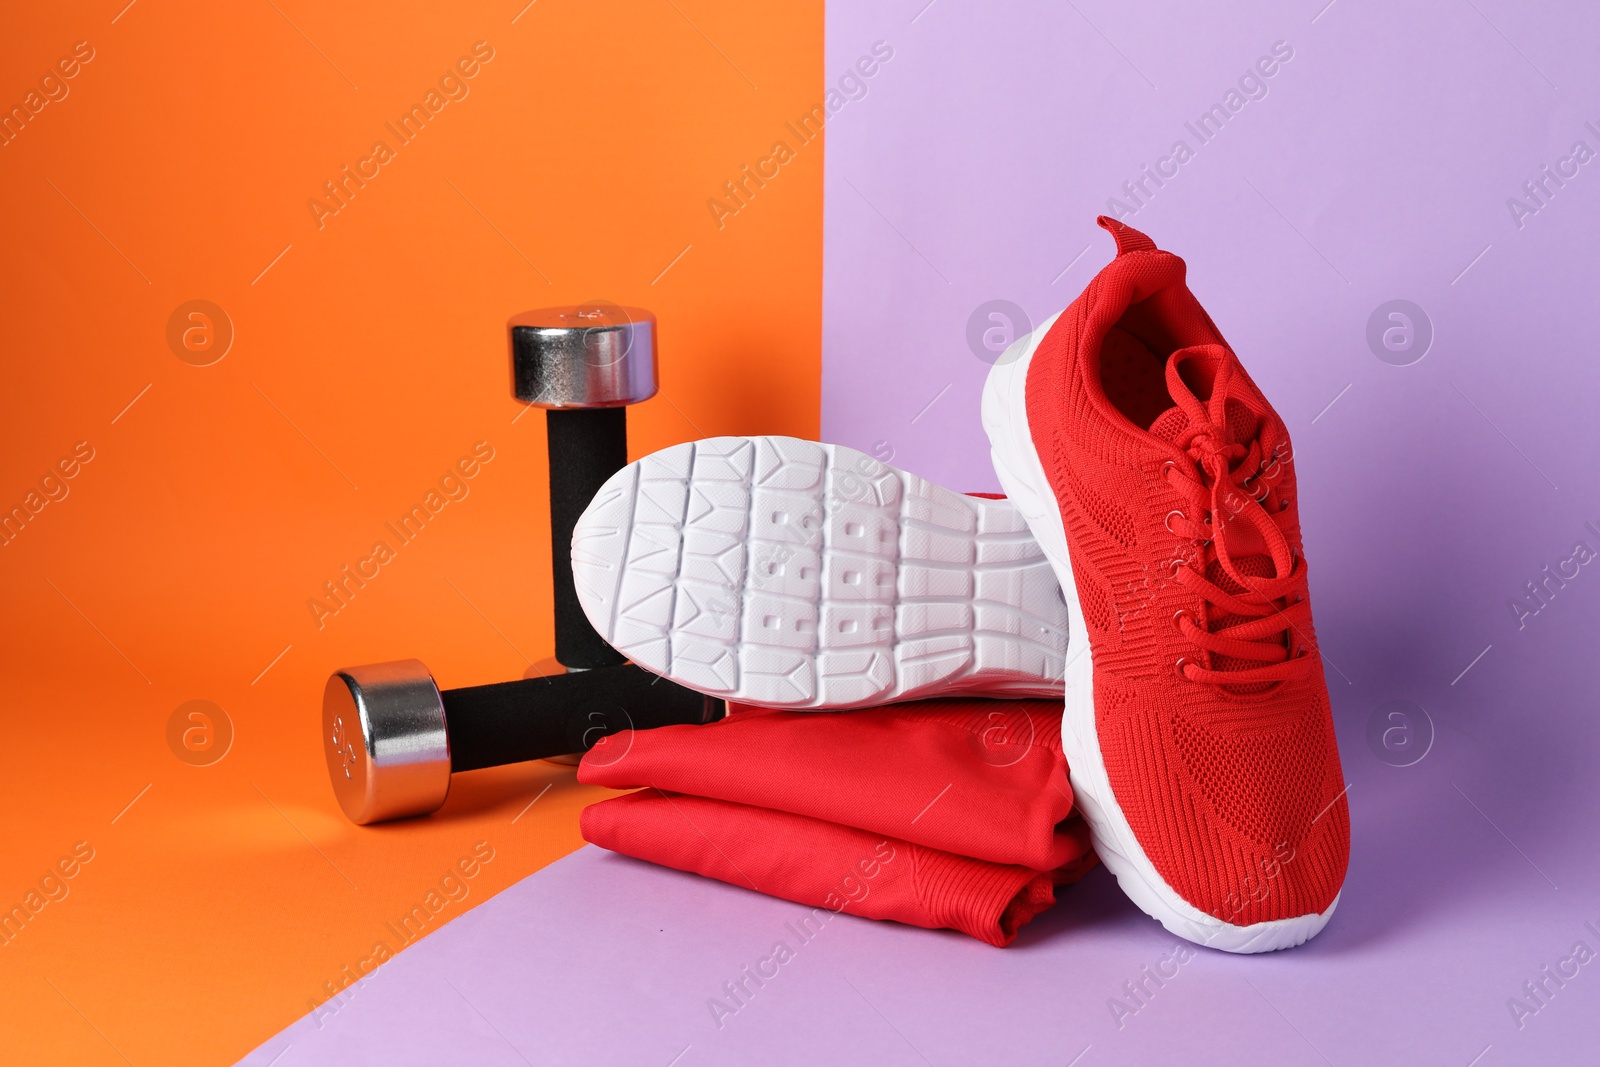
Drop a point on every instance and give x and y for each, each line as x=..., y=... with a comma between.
x=942, y=814
x=979, y=778
x=823, y=865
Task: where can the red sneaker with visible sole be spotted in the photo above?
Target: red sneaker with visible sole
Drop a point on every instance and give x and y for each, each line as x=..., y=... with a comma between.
x=1160, y=484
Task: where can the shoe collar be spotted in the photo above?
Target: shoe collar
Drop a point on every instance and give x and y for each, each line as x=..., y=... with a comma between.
x=1141, y=272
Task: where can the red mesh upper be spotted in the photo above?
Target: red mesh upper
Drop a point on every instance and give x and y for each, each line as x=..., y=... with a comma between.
x=1235, y=793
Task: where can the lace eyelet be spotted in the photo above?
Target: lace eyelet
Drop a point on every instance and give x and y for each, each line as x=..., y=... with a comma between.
x=1178, y=617
x=1167, y=467
x=1182, y=662
x=1168, y=523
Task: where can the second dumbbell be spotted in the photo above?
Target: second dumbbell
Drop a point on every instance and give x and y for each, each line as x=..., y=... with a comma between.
x=393, y=739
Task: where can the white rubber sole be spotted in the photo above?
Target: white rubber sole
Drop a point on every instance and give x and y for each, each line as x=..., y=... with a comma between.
x=1022, y=476
x=792, y=574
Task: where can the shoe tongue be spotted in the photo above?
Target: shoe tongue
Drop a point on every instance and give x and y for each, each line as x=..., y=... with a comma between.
x=1193, y=370
x=1252, y=566
x=1169, y=424
x=1242, y=423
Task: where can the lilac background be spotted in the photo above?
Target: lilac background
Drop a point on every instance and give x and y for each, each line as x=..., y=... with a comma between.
x=1377, y=167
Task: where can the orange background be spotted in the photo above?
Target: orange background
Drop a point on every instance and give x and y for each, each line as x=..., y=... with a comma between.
x=365, y=361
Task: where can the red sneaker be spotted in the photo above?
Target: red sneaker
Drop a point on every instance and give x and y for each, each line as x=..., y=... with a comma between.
x=1160, y=484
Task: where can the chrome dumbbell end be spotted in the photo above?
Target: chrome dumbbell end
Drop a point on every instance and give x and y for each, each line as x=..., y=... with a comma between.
x=596, y=355
x=384, y=735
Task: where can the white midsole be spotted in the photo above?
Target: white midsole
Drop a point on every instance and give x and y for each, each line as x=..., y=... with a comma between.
x=1022, y=476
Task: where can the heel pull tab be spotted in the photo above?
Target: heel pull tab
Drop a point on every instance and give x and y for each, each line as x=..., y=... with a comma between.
x=1128, y=238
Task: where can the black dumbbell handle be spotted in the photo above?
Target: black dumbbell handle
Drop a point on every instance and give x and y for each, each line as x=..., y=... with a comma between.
x=534, y=718
x=587, y=446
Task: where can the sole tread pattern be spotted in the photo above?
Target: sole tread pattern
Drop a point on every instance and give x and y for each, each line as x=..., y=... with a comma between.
x=793, y=574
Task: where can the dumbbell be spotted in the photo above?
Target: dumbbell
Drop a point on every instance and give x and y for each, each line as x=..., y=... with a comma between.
x=584, y=365
x=392, y=738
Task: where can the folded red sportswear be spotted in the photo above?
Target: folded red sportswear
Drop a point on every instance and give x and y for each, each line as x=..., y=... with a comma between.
x=937, y=813
x=980, y=778
x=824, y=865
